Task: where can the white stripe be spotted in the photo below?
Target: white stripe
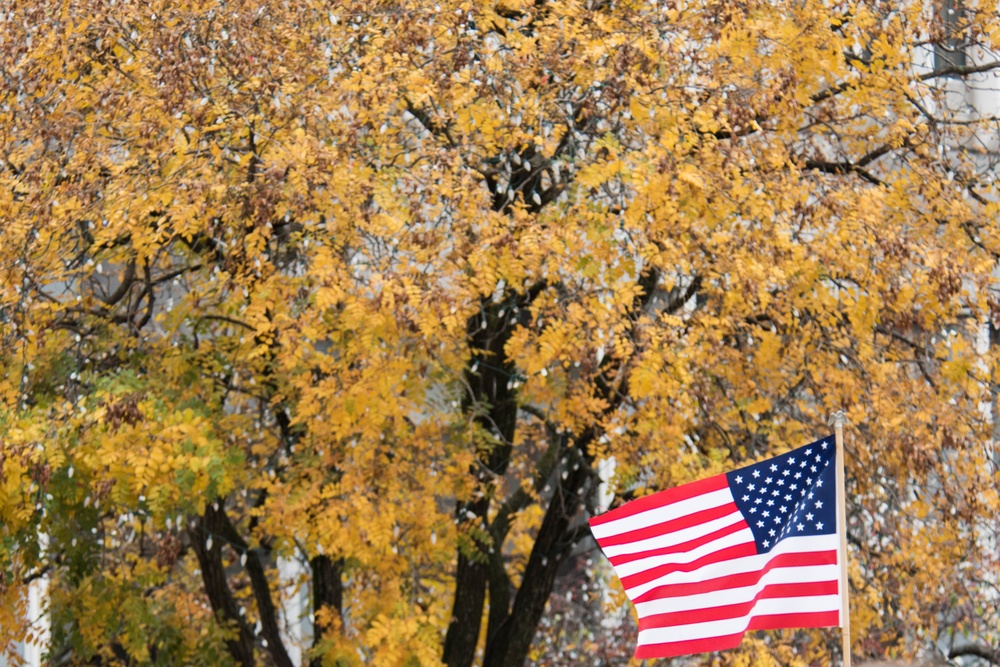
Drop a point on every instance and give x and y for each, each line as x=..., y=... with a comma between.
x=665, y=513
x=676, y=537
x=732, y=626
x=739, y=565
x=781, y=575
x=739, y=537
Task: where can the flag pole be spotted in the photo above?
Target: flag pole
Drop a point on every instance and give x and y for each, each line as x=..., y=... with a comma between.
x=845, y=620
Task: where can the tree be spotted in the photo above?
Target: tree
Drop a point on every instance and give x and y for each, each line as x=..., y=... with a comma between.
x=377, y=287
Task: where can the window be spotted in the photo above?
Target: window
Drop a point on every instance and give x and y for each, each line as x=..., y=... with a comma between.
x=949, y=46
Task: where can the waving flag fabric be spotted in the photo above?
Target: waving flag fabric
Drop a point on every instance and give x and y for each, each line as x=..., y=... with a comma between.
x=752, y=549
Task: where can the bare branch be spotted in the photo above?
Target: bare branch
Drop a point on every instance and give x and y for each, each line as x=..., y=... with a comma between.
x=991, y=655
x=960, y=70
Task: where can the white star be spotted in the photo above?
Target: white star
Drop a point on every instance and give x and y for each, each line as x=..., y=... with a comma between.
x=809, y=480
x=788, y=496
x=803, y=464
x=739, y=479
x=753, y=510
x=809, y=517
x=773, y=467
x=766, y=544
x=758, y=501
x=767, y=481
x=760, y=524
x=818, y=458
x=771, y=532
x=810, y=496
x=763, y=490
x=809, y=451
x=777, y=519
x=775, y=492
x=770, y=503
x=825, y=444
x=746, y=498
x=800, y=526
x=783, y=509
x=819, y=483
x=765, y=513
x=781, y=482
x=812, y=468
x=819, y=526
x=819, y=504
x=786, y=472
x=798, y=475
x=791, y=461
x=793, y=487
x=751, y=487
x=756, y=474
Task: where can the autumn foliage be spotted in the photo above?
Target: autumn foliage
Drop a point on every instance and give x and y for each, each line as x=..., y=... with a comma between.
x=380, y=288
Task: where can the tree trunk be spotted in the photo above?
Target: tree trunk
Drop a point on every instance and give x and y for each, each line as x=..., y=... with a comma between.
x=213, y=576
x=488, y=378
x=510, y=646
x=328, y=591
x=470, y=595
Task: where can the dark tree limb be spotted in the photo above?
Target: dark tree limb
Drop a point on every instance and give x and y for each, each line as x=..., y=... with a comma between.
x=438, y=129
x=124, y=287
x=841, y=168
x=500, y=588
x=327, y=592
x=960, y=70
x=493, y=404
x=223, y=527
x=987, y=653
x=512, y=640
x=470, y=595
x=832, y=91
x=678, y=301
x=220, y=596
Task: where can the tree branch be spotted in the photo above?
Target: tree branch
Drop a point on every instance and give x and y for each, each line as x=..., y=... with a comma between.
x=841, y=168
x=428, y=123
x=991, y=655
x=220, y=596
x=126, y=283
x=258, y=582
x=328, y=591
x=960, y=70
x=832, y=91
x=510, y=644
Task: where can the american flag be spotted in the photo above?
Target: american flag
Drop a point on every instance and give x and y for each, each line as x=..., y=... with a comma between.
x=752, y=549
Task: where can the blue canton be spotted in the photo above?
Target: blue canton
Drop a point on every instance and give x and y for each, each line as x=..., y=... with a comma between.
x=792, y=494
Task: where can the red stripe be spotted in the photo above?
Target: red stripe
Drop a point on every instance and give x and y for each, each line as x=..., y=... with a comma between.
x=806, y=619
x=671, y=526
x=671, y=649
x=741, y=579
x=729, y=553
x=661, y=498
x=818, y=619
x=722, y=612
x=734, y=527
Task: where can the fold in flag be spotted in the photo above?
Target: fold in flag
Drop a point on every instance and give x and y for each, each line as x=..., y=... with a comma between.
x=752, y=549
